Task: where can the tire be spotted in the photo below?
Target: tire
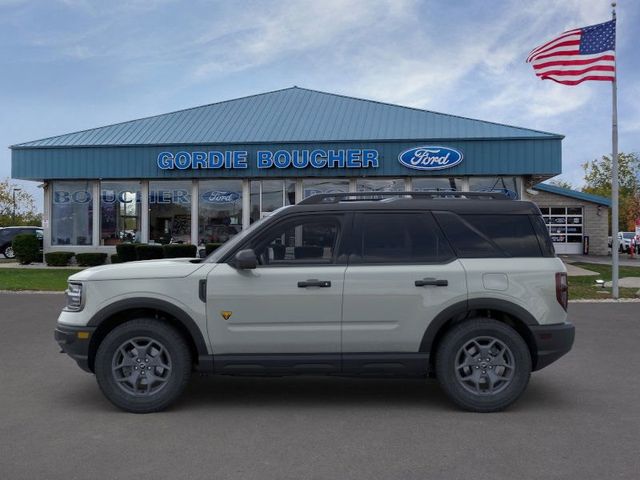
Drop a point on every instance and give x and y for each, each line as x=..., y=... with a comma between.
x=8, y=252
x=472, y=382
x=135, y=352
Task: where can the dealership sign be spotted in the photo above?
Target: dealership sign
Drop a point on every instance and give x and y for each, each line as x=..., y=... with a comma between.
x=430, y=157
x=266, y=159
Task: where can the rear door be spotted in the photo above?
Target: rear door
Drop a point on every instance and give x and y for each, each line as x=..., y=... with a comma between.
x=401, y=274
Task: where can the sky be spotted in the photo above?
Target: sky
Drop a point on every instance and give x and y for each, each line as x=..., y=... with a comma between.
x=68, y=65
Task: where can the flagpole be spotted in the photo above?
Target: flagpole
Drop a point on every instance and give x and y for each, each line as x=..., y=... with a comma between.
x=614, y=177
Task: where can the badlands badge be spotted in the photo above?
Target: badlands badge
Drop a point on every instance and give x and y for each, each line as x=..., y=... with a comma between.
x=226, y=314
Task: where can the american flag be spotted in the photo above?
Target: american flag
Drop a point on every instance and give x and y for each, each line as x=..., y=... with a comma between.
x=577, y=55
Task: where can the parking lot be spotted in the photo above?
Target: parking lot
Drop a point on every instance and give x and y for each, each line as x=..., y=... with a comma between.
x=579, y=419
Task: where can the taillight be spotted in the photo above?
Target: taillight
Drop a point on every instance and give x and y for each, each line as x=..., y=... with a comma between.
x=562, y=289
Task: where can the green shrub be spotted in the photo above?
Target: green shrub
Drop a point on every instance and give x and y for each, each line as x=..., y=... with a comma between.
x=211, y=247
x=58, y=259
x=115, y=258
x=149, y=252
x=27, y=248
x=91, y=259
x=127, y=252
x=179, y=250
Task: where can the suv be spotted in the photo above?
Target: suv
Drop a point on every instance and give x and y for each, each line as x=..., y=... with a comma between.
x=467, y=289
x=7, y=235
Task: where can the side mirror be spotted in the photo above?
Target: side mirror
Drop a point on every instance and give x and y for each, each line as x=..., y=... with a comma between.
x=246, y=260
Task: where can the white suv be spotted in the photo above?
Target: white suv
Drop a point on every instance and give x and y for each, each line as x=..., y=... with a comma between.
x=402, y=284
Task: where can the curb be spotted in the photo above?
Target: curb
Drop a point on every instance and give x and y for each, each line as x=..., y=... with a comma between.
x=606, y=300
x=30, y=292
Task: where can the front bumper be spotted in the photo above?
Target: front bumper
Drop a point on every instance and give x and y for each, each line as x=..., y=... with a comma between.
x=552, y=342
x=75, y=341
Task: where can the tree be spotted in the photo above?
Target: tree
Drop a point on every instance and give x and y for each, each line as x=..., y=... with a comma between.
x=559, y=182
x=25, y=206
x=598, y=182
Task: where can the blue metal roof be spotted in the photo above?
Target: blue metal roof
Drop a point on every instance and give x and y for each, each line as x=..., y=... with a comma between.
x=566, y=192
x=289, y=116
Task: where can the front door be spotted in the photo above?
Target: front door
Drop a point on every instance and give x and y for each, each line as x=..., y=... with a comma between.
x=291, y=303
x=401, y=274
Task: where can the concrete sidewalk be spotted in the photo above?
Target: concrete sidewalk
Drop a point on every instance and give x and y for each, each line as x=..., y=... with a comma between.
x=624, y=259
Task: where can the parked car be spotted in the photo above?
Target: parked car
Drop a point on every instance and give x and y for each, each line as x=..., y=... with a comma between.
x=402, y=284
x=624, y=241
x=7, y=234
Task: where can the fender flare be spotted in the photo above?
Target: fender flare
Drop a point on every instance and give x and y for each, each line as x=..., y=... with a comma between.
x=464, y=307
x=154, y=304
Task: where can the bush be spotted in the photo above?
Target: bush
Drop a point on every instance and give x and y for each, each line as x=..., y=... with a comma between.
x=211, y=247
x=27, y=248
x=149, y=252
x=91, y=259
x=58, y=259
x=115, y=258
x=127, y=252
x=179, y=250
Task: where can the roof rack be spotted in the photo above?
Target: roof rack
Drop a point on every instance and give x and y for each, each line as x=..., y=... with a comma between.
x=377, y=196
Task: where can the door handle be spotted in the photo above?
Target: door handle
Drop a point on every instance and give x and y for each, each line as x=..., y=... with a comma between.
x=314, y=283
x=431, y=281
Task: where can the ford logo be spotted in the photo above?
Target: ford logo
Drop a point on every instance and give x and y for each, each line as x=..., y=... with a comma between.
x=219, y=197
x=430, y=158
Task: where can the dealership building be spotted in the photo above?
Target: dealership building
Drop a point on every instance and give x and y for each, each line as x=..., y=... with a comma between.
x=202, y=174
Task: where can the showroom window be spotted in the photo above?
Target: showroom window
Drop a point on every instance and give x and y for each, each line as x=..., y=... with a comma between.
x=313, y=186
x=506, y=185
x=72, y=213
x=119, y=212
x=219, y=210
x=380, y=185
x=269, y=195
x=170, y=212
x=440, y=184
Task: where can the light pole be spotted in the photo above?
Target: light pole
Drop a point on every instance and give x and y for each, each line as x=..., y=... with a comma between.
x=14, y=203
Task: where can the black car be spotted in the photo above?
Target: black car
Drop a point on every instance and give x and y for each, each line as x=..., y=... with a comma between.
x=7, y=235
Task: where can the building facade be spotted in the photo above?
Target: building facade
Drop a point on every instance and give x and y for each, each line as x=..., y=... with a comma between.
x=201, y=175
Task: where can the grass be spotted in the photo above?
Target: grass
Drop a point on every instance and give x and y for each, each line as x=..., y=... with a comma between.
x=584, y=287
x=35, y=279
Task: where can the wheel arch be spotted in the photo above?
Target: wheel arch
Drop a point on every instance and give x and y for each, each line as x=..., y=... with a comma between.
x=120, y=312
x=502, y=310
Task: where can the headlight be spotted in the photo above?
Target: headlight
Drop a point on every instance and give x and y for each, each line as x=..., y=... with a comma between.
x=74, y=297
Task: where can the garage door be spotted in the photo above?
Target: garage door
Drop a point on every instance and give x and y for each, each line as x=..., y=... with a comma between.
x=565, y=227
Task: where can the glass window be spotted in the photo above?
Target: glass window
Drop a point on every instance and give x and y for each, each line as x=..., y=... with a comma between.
x=506, y=185
x=380, y=185
x=72, y=213
x=269, y=195
x=564, y=223
x=399, y=238
x=315, y=186
x=170, y=212
x=119, y=212
x=467, y=241
x=512, y=233
x=219, y=210
x=307, y=240
x=441, y=184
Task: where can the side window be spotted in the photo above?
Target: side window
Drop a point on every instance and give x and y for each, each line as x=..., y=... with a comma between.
x=39, y=234
x=399, y=238
x=306, y=240
x=467, y=241
x=512, y=233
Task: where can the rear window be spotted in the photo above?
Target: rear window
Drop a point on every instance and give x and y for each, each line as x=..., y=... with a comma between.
x=484, y=236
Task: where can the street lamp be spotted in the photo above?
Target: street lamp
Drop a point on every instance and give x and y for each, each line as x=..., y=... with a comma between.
x=14, y=203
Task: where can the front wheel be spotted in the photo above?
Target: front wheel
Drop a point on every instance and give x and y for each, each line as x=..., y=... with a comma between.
x=483, y=365
x=143, y=365
x=8, y=252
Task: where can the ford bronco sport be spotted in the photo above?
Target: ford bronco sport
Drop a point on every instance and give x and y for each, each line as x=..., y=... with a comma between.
x=461, y=286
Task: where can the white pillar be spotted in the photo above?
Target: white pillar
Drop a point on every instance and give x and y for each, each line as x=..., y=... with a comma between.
x=95, y=188
x=194, y=211
x=144, y=211
x=46, y=215
x=246, y=203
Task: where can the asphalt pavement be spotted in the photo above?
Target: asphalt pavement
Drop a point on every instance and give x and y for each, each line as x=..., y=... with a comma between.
x=579, y=419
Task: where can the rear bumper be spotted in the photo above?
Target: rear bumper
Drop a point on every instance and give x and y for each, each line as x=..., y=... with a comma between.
x=552, y=342
x=74, y=345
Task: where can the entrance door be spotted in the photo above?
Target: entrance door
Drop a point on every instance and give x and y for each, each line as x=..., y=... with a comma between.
x=401, y=275
x=291, y=303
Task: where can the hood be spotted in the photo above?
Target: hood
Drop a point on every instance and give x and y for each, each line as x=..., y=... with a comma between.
x=165, y=268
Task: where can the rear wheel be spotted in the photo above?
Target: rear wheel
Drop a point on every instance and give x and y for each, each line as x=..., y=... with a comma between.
x=8, y=251
x=143, y=365
x=483, y=365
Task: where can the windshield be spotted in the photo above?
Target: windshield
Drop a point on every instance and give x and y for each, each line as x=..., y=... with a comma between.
x=221, y=251
x=628, y=234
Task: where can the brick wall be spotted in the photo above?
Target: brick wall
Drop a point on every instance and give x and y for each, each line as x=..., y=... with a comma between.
x=594, y=225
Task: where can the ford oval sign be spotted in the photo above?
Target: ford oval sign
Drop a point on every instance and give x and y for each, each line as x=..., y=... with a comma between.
x=430, y=157
x=220, y=197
